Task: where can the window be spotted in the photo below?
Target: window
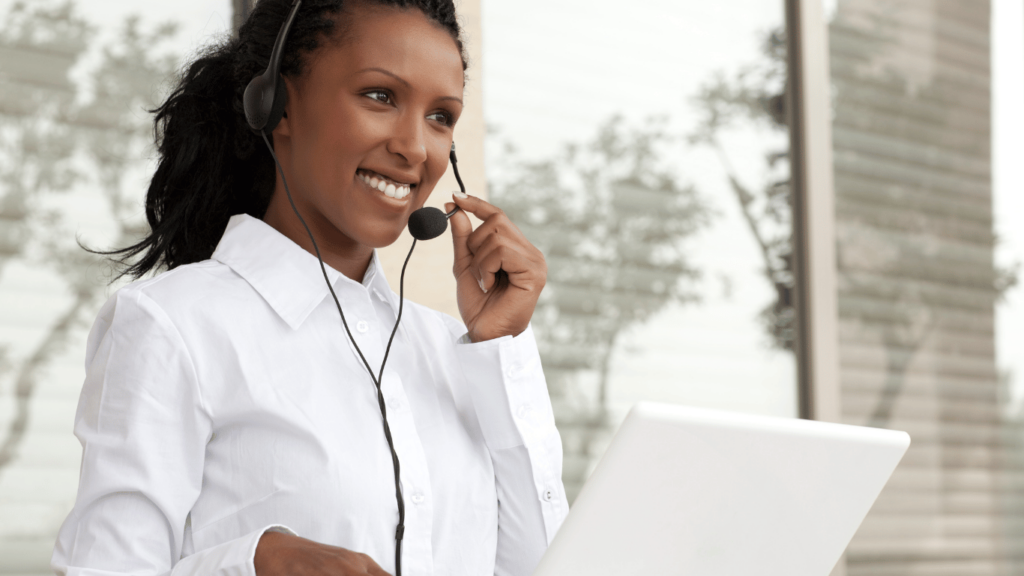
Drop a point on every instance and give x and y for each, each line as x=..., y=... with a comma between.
x=75, y=141
x=645, y=152
x=919, y=287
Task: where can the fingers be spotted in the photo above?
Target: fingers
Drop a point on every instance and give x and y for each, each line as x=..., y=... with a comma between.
x=496, y=245
x=497, y=225
x=477, y=207
x=286, y=555
x=461, y=230
x=491, y=258
x=466, y=240
x=494, y=222
x=522, y=268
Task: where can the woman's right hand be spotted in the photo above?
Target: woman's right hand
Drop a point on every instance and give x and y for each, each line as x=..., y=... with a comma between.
x=280, y=554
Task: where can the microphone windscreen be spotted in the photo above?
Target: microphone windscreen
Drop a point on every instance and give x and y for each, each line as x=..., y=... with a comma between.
x=427, y=223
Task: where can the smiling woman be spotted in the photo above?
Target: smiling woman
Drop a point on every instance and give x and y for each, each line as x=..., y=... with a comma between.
x=229, y=423
x=383, y=110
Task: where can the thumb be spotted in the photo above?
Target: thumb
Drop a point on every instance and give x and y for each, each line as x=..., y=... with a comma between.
x=461, y=229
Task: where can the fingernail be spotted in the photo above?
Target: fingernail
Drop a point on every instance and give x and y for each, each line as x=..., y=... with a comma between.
x=481, y=282
x=460, y=195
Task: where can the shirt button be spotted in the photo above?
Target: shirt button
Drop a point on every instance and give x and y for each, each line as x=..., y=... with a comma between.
x=417, y=498
x=549, y=496
x=524, y=412
x=363, y=326
x=513, y=370
x=394, y=403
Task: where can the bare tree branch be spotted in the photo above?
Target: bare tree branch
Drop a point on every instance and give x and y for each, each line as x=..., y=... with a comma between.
x=28, y=374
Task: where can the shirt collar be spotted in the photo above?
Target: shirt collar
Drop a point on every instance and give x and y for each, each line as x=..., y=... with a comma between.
x=377, y=284
x=284, y=274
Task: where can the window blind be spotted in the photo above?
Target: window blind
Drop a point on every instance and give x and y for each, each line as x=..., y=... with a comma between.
x=911, y=134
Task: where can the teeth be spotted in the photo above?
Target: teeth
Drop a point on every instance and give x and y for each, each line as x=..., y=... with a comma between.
x=389, y=189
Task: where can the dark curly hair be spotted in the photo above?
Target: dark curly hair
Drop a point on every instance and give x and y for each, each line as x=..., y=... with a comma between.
x=211, y=164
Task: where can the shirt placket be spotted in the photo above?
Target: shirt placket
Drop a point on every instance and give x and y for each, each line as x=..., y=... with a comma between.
x=417, y=552
x=417, y=557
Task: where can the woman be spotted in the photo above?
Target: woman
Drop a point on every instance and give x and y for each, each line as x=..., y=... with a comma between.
x=228, y=423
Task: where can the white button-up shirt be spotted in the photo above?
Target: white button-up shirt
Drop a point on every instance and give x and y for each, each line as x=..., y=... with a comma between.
x=223, y=399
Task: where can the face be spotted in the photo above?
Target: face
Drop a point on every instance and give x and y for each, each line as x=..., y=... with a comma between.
x=376, y=110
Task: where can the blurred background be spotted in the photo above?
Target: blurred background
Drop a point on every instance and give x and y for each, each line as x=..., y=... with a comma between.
x=647, y=151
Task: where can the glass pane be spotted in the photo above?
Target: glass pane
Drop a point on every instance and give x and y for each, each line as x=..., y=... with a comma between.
x=645, y=152
x=76, y=79
x=1008, y=194
x=1008, y=208
x=918, y=282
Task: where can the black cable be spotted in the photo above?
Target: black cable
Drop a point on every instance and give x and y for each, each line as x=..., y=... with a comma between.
x=400, y=529
x=455, y=169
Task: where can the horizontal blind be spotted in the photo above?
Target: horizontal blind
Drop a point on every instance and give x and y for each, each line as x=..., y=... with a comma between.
x=38, y=463
x=70, y=151
x=916, y=284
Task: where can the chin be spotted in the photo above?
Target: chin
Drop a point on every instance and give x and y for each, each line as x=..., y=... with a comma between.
x=382, y=238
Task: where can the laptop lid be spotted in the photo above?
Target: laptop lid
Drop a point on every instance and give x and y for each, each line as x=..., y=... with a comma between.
x=709, y=493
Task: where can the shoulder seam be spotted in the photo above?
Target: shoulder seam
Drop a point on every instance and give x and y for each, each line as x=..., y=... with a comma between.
x=165, y=318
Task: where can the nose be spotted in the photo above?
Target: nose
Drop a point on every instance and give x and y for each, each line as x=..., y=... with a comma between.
x=408, y=141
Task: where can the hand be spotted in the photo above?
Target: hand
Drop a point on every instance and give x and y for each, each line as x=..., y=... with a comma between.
x=499, y=275
x=280, y=554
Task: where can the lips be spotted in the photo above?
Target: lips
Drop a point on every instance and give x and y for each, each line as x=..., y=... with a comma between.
x=389, y=187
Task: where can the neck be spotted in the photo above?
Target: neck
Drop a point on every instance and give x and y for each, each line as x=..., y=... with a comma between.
x=338, y=251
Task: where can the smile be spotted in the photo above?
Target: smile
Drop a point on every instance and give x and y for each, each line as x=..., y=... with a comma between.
x=389, y=187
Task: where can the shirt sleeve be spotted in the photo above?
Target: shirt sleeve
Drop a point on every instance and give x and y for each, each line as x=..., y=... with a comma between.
x=143, y=428
x=511, y=399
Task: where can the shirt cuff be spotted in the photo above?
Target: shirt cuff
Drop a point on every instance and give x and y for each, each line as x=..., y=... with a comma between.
x=232, y=558
x=508, y=389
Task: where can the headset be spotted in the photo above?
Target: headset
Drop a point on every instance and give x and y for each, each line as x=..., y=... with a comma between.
x=263, y=101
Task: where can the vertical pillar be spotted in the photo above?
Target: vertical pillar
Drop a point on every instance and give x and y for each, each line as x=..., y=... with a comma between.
x=810, y=123
x=813, y=210
x=241, y=12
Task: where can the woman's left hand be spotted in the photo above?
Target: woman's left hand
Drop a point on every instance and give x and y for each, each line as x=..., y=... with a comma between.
x=494, y=304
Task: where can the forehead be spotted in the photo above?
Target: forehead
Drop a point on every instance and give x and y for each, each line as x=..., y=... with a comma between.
x=403, y=41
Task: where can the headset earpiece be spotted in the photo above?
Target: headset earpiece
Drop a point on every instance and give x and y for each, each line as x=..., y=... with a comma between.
x=266, y=95
x=264, y=102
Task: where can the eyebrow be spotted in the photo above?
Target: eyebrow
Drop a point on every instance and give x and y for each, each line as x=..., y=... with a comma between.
x=403, y=80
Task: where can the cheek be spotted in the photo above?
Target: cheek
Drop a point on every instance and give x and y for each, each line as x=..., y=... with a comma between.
x=344, y=141
x=437, y=162
x=364, y=129
x=345, y=127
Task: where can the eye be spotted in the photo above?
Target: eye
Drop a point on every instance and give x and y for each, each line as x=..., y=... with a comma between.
x=382, y=96
x=443, y=117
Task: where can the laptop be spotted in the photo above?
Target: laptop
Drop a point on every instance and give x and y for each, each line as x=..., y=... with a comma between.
x=702, y=492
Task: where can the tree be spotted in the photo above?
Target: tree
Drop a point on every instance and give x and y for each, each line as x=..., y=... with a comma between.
x=611, y=220
x=59, y=142
x=755, y=97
